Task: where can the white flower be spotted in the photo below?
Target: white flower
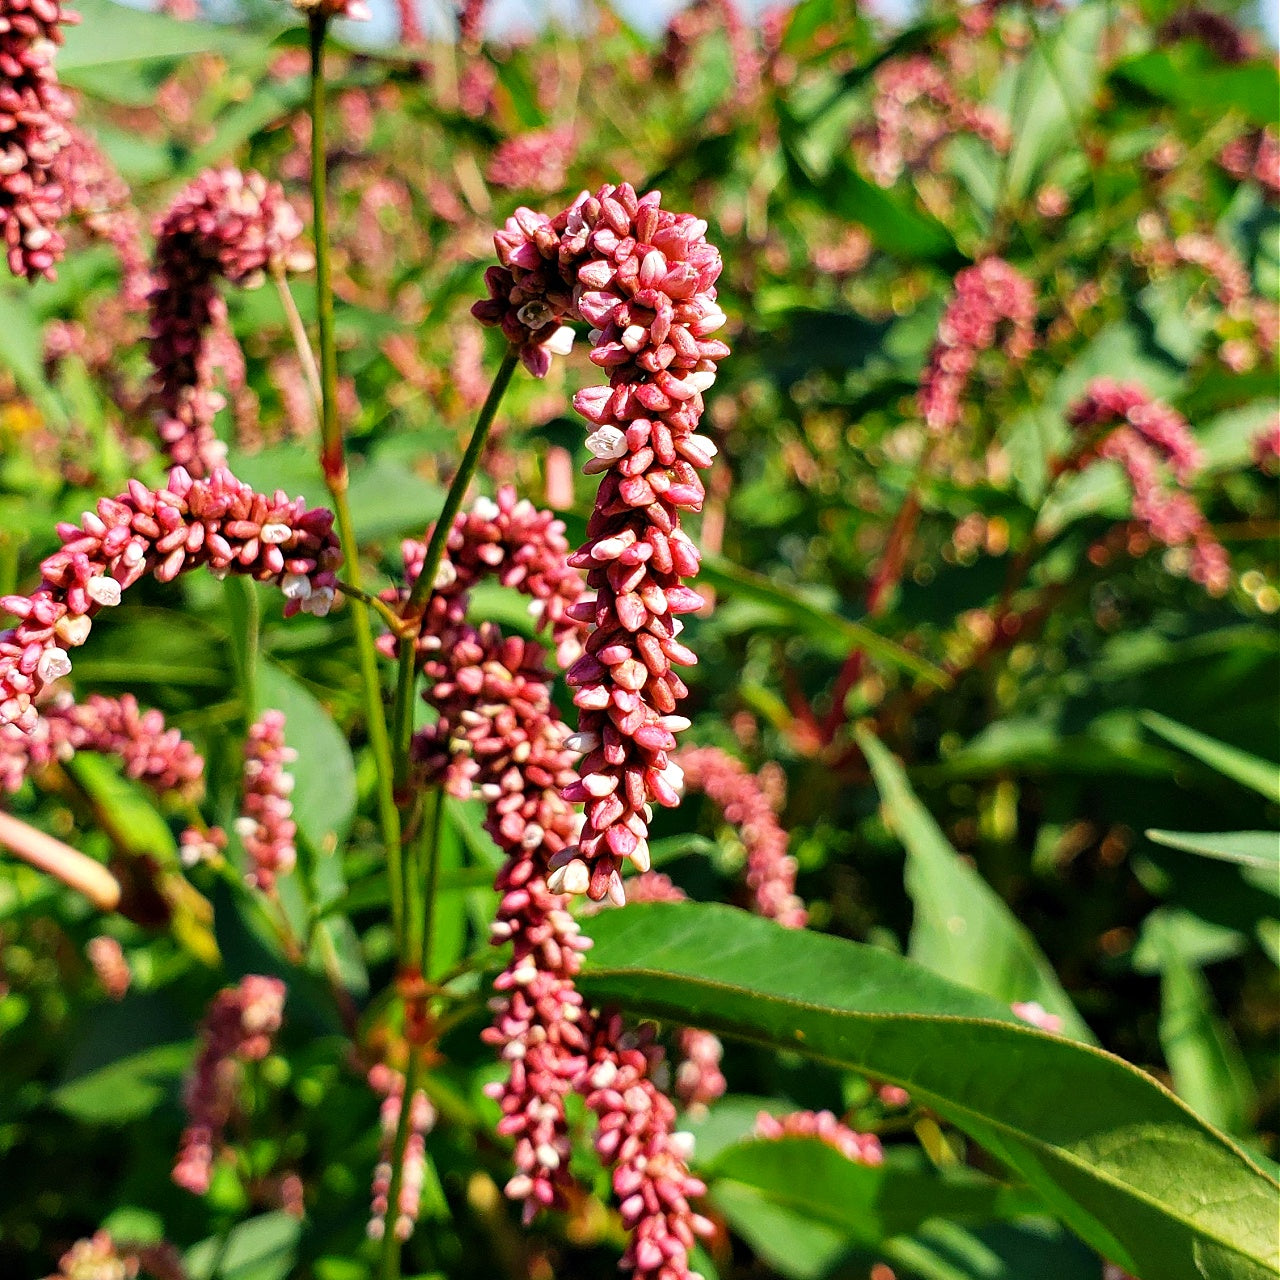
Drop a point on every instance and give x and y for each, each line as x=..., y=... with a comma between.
x=296, y=586
x=274, y=533
x=607, y=443
x=103, y=590
x=53, y=664
x=561, y=341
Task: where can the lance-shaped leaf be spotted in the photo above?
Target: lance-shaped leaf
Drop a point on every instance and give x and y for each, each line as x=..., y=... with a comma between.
x=1107, y=1148
x=1248, y=770
x=963, y=929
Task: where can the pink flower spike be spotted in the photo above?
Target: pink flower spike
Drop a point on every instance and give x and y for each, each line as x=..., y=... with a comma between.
x=215, y=523
x=987, y=295
x=645, y=279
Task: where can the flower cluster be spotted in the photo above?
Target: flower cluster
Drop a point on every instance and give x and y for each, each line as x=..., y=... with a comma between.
x=239, y=1027
x=537, y=161
x=152, y=752
x=690, y=26
x=110, y=965
x=636, y=1134
x=1122, y=423
x=864, y=1148
x=1265, y=448
x=508, y=539
x=498, y=732
x=389, y=1083
x=1255, y=155
x=229, y=225
x=771, y=871
x=217, y=522
x=265, y=824
x=645, y=278
x=34, y=111
x=916, y=109
x=986, y=295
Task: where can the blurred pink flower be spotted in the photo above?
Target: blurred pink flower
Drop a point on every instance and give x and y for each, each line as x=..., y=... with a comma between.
x=239, y=1027
x=229, y=225
x=265, y=824
x=864, y=1148
x=987, y=296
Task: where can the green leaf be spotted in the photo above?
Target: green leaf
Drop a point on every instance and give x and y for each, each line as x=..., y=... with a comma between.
x=324, y=794
x=22, y=353
x=1023, y=1250
x=1105, y=1146
x=1208, y=1071
x=1189, y=75
x=894, y=223
x=110, y=33
x=1250, y=771
x=790, y=1244
x=1248, y=848
x=127, y=1090
x=962, y=928
x=1044, y=94
x=264, y=1248
x=867, y=1204
x=814, y=620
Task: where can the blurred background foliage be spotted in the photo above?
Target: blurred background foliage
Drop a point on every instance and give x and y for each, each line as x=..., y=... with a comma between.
x=1040, y=755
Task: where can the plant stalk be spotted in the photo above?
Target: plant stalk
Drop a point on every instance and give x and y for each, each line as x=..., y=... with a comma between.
x=390, y=1241
x=334, y=464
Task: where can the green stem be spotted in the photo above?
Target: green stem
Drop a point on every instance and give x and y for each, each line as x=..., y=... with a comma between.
x=333, y=462
x=432, y=826
x=458, y=489
x=390, y=1242
x=402, y=715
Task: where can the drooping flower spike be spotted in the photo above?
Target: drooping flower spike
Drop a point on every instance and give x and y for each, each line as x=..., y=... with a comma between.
x=645, y=278
x=219, y=523
x=771, y=871
x=226, y=225
x=1121, y=422
x=862, y=1148
x=512, y=541
x=389, y=1084
x=498, y=733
